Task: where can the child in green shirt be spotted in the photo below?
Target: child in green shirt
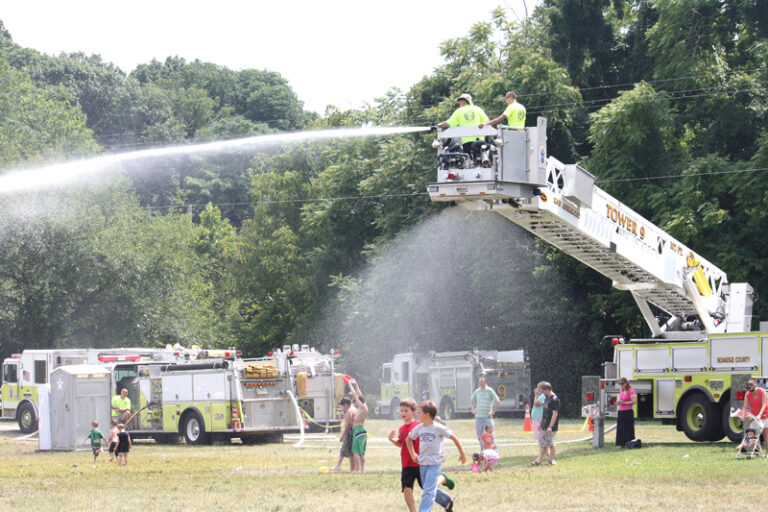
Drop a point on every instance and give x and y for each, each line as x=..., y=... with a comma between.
x=96, y=438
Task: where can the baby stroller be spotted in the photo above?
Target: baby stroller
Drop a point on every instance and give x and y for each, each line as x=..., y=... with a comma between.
x=750, y=444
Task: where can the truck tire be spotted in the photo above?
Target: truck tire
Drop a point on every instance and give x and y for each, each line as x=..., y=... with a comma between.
x=731, y=426
x=193, y=428
x=446, y=409
x=394, y=409
x=699, y=418
x=27, y=418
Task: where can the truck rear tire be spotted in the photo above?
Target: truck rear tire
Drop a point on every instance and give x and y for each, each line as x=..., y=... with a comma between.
x=731, y=426
x=193, y=428
x=27, y=418
x=699, y=418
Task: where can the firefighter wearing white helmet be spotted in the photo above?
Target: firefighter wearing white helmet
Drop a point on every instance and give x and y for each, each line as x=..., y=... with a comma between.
x=466, y=115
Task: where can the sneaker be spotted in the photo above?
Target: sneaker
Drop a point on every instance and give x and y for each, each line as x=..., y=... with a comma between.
x=449, y=483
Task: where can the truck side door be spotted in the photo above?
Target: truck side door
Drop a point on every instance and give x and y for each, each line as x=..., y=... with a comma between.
x=10, y=395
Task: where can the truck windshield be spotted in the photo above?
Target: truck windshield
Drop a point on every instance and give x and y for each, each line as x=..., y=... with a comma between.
x=9, y=374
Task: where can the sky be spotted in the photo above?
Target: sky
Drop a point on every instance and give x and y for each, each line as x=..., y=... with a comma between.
x=333, y=52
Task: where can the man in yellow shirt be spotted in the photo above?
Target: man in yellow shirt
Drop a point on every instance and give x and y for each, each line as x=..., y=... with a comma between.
x=121, y=406
x=467, y=115
x=514, y=113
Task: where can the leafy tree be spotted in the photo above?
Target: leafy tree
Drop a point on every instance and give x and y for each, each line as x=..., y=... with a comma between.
x=38, y=124
x=632, y=143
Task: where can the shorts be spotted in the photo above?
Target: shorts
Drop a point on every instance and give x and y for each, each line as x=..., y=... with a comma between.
x=408, y=476
x=547, y=439
x=112, y=447
x=359, y=440
x=95, y=449
x=492, y=456
x=346, y=445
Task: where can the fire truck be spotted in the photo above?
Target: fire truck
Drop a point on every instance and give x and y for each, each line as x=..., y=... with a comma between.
x=24, y=373
x=449, y=379
x=701, y=343
x=209, y=399
x=317, y=386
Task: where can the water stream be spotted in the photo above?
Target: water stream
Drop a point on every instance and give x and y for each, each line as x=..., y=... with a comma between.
x=22, y=180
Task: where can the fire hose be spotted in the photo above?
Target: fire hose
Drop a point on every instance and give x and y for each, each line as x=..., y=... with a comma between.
x=128, y=421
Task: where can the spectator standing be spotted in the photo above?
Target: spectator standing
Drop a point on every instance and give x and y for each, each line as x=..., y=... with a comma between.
x=484, y=403
x=755, y=404
x=549, y=423
x=625, y=422
x=537, y=411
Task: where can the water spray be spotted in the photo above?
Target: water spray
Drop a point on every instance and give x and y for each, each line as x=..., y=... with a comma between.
x=19, y=180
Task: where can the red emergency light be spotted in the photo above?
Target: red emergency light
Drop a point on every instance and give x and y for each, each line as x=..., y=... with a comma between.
x=107, y=359
x=269, y=354
x=590, y=396
x=687, y=378
x=451, y=176
x=132, y=358
x=740, y=395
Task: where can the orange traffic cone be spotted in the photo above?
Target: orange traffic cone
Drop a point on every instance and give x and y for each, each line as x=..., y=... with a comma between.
x=527, y=423
x=591, y=427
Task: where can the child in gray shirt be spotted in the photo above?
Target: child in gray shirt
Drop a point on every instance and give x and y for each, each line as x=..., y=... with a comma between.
x=431, y=455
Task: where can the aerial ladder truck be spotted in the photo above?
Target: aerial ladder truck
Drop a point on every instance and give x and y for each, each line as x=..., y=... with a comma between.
x=691, y=371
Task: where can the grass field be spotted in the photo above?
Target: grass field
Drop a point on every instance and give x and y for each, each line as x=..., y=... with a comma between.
x=668, y=473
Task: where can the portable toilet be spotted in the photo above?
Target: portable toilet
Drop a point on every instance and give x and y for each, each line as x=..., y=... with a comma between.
x=79, y=395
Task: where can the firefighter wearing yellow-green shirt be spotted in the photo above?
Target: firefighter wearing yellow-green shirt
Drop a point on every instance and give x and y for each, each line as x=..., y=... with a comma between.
x=467, y=115
x=514, y=113
x=121, y=406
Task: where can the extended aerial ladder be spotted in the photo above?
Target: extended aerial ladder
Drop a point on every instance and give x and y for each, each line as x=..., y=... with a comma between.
x=561, y=204
x=691, y=371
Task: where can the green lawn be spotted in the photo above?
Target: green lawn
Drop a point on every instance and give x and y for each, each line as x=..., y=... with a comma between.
x=668, y=473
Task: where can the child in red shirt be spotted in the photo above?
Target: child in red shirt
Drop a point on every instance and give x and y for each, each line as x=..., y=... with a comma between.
x=410, y=469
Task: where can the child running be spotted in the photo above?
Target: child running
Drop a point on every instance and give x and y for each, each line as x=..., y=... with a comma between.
x=124, y=445
x=431, y=437
x=410, y=468
x=113, y=431
x=96, y=438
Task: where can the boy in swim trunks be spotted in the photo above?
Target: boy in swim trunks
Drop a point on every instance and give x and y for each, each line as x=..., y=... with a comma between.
x=359, y=434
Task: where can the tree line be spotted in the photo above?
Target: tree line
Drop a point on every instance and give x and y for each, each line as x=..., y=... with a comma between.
x=335, y=243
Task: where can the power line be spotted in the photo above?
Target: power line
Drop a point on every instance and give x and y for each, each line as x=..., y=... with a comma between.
x=421, y=194
x=289, y=201
x=681, y=176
